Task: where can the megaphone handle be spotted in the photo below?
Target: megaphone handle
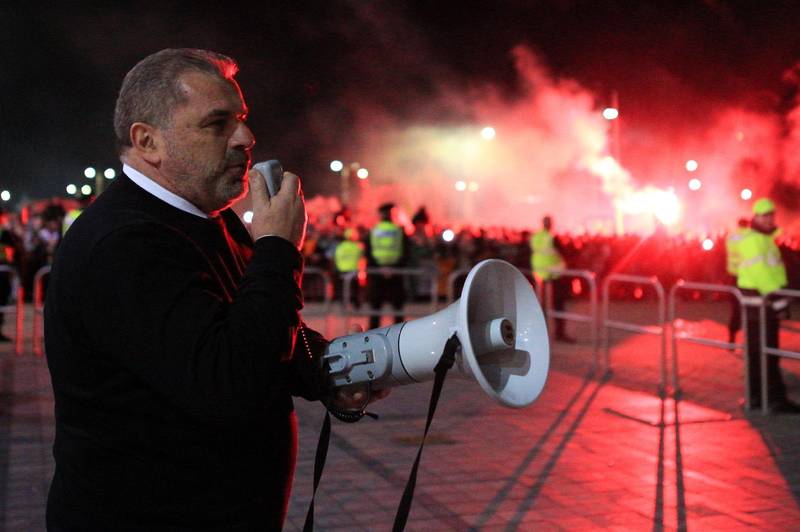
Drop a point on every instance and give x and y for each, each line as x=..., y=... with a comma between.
x=441, y=369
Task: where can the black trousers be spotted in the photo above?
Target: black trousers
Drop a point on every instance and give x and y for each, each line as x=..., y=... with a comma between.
x=777, y=389
x=386, y=288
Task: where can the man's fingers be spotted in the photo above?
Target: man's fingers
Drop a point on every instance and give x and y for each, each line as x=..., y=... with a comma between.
x=291, y=184
x=258, y=188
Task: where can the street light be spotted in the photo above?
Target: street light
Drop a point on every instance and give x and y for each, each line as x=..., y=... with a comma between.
x=344, y=170
x=100, y=184
x=610, y=113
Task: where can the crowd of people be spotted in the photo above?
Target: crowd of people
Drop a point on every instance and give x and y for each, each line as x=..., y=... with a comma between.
x=669, y=257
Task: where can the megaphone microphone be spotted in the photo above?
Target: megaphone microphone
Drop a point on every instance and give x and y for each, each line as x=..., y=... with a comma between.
x=498, y=322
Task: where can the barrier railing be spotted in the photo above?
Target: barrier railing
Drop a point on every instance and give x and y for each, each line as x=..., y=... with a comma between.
x=711, y=342
x=327, y=290
x=18, y=308
x=657, y=330
x=591, y=318
x=366, y=310
x=38, y=309
x=765, y=350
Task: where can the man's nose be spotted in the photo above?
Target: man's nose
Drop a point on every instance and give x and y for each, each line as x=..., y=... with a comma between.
x=243, y=137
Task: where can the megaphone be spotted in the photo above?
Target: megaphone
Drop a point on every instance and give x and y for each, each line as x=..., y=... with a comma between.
x=498, y=322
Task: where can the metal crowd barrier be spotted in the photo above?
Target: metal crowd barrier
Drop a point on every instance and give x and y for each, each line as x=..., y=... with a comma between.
x=347, y=307
x=38, y=309
x=327, y=290
x=674, y=336
x=591, y=318
x=18, y=308
x=771, y=350
x=659, y=330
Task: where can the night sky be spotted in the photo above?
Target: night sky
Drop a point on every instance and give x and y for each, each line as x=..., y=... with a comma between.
x=313, y=72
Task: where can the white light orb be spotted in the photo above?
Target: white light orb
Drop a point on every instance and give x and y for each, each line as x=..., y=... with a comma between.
x=362, y=173
x=248, y=217
x=691, y=165
x=488, y=133
x=461, y=186
x=109, y=173
x=746, y=194
x=71, y=189
x=5, y=195
x=448, y=235
x=90, y=172
x=610, y=113
x=337, y=166
x=86, y=190
x=695, y=184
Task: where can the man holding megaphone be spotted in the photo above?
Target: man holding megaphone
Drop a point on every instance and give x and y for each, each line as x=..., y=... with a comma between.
x=172, y=334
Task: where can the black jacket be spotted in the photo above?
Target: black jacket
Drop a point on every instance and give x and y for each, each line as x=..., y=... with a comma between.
x=171, y=345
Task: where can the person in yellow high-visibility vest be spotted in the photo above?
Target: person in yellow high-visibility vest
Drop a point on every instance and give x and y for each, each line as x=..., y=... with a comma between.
x=760, y=272
x=546, y=255
x=347, y=258
x=733, y=259
x=69, y=219
x=386, y=246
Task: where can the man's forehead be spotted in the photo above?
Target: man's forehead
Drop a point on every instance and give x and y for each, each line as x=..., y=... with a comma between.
x=203, y=90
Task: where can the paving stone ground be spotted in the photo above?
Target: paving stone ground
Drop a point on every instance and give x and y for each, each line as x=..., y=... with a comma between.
x=596, y=451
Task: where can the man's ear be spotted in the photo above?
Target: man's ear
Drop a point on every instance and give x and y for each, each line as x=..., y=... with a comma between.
x=147, y=142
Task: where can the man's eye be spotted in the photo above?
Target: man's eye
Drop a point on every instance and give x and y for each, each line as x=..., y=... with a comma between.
x=219, y=124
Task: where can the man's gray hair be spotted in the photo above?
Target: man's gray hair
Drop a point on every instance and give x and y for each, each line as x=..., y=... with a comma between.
x=151, y=89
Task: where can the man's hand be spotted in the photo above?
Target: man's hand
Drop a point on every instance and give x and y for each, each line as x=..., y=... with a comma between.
x=284, y=214
x=352, y=397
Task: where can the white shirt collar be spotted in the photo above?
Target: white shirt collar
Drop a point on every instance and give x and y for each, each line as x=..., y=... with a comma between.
x=160, y=192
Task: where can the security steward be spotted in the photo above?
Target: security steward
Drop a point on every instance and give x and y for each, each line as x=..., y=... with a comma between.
x=546, y=255
x=386, y=247
x=347, y=258
x=733, y=259
x=760, y=272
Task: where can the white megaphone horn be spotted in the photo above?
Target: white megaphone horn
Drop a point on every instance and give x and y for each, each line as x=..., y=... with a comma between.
x=498, y=322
